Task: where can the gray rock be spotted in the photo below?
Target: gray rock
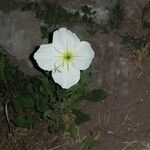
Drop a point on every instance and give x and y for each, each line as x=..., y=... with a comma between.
x=112, y=67
x=102, y=7
x=20, y=34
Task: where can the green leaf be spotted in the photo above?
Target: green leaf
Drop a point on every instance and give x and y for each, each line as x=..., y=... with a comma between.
x=69, y=103
x=85, y=75
x=96, y=95
x=48, y=114
x=42, y=85
x=23, y=121
x=22, y=100
x=45, y=89
x=41, y=105
x=35, y=84
x=27, y=100
x=80, y=117
x=146, y=25
x=46, y=86
x=91, y=144
x=17, y=104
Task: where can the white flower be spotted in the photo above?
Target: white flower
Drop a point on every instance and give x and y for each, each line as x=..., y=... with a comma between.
x=65, y=57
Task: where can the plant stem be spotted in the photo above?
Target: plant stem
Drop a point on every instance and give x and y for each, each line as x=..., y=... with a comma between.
x=7, y=116
x=6, y=109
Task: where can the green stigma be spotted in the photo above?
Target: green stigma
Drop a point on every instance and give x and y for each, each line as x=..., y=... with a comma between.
x=67, y=56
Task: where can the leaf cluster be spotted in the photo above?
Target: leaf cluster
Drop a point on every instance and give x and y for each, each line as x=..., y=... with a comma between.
x=15, y=89
x=116, y=17
x=35, y=97
x=88, y=15
x=49, y=12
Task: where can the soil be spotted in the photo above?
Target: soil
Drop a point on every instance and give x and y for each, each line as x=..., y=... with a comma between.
x=121, y=122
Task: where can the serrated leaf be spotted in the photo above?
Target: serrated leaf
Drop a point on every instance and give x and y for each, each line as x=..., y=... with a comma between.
x=43, y=85
x=91, y=144
x=23, y=121
x=35, y=84
x=96, y=95
x=80, y=116
x=45, y=89
x=46, y=86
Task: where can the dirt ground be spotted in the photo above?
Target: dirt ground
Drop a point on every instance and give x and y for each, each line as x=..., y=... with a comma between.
x=122, y=121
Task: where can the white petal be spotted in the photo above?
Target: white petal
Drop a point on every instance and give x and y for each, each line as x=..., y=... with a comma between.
x=64, y=39
x=66, y=78
x=46, y=56
x=84, y=56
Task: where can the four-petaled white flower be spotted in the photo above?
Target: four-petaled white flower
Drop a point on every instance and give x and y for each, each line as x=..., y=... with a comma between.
x=65, y=57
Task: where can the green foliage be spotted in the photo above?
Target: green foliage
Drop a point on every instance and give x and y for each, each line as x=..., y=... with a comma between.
x=80, y=117
x=17, y=91
x=49, y=12
x=44, y=91
x=22, y=100
x=41, y=105
x=135, y=43
x=24, y=121
x=88, y=15
x=75, y=93
x=91, y=144
x=117, y=16
x=146, y=25
x=48, y=114
x=38, y=96
x=96, y=95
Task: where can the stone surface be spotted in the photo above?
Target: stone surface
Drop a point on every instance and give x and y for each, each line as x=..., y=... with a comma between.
x=112, y=66
x=20, y=34
x=102, y=7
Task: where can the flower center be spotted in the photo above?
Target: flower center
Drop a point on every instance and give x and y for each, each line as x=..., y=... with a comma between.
x=67, y=56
